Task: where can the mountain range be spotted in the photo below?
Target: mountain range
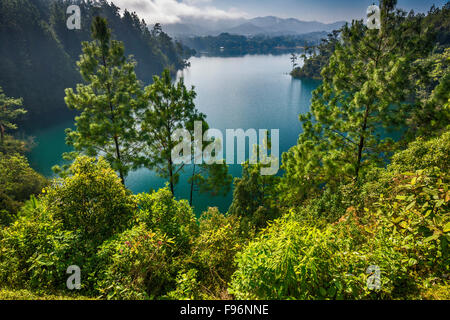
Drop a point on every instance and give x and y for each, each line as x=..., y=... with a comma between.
x=269, y=25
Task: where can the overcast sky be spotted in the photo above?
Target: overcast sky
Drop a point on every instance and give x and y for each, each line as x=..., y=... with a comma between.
x=171, y=11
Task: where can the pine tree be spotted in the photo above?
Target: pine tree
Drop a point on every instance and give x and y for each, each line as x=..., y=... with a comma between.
x=171, y=107
x=293, y=59
x=368, y=88
x=110, y=103
x=8, y=113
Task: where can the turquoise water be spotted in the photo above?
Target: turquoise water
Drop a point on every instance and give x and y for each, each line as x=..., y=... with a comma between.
x=236, y=92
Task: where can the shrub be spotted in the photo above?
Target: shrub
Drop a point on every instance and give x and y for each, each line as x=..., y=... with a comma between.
x=214, y=250
x=405, y=235
x=18, y=182
x=136, y=265
x=18, y=243
x=292, y=259
x=64, y=227
x=187, y=287
x=415, y=213
x=255, y=197
x=162, y=212
x=92, y=200
x=422, y=154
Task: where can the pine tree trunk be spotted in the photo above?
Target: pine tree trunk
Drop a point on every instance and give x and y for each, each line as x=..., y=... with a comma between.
x=361, y=144
x=171, y=176
x=116, y=142
x=2, y=133
x=116, y=139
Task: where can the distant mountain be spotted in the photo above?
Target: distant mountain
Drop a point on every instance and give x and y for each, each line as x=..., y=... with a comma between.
x=293, y=26
x=247, y=29
x=269, y=25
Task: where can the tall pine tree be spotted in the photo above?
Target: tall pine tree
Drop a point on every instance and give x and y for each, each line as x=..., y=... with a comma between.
x=171, y=107
x=367, y=89
x=110, y=102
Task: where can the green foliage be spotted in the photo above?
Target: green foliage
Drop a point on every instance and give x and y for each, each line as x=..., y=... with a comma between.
x=294, y=261
x=438, y=19
x=364, y=94
x=33, y=251
x=8, y=294
x=8, y=113
x=161, y=212
x=73, y=217
x=220, y=238
x=91, y=200
x=109, y=103
x=38, y=50
x=137, y=265
x=318, y=58
x=11, y=145
x=432, y=115
x=255, y=196
x=415, y=210
x=187, y=287
x=403, y=229
x=422, y=154
x=339, y=215
x=18, y=183
x=171, y=107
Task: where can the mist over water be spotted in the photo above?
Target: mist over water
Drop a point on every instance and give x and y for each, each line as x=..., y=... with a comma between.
x=234, y=92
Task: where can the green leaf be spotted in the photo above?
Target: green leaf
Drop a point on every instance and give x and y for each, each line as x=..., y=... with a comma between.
x=435, y=236
x=447, y=227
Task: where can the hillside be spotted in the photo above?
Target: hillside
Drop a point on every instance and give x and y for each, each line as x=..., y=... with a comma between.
x=38, y=52
x=227, y=44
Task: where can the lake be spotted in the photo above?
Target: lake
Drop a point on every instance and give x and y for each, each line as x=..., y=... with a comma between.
x=253, y=91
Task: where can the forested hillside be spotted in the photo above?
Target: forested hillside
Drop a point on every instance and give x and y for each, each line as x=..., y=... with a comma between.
x=437, y=20
x=38, y=53
x=231, y=44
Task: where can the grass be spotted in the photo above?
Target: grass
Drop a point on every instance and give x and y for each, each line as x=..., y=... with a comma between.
x=22, y=294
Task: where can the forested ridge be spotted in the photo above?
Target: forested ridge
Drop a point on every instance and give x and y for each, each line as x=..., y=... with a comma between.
x=38, y=52
x=437, y=19
x=355, y=215
x=231, y=44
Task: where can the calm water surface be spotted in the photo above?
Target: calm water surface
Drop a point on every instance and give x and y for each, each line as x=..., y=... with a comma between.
x=236, y=92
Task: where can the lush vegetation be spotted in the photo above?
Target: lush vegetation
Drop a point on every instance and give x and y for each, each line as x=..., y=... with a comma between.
x=317, y=57
x=38, y=51
x=355, y=215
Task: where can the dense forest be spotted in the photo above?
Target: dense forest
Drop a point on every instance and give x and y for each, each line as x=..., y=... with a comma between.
x=230, y=44
x=355, y=214
x=317, y=57
x=38, y=51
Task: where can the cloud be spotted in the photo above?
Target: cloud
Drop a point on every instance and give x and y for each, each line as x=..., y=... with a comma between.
x=172, y=11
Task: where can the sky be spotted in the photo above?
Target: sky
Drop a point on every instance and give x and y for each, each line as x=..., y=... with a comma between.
x=172, y=11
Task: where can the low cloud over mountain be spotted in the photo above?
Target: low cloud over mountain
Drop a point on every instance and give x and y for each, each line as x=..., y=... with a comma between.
x=262, y=25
